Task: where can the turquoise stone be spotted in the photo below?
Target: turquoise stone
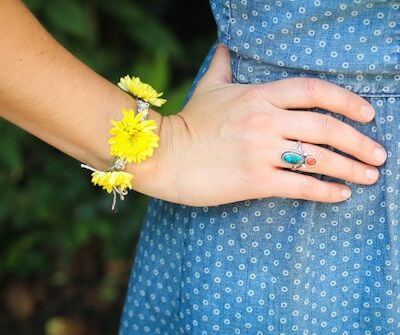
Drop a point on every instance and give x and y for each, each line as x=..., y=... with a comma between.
x=292, y=158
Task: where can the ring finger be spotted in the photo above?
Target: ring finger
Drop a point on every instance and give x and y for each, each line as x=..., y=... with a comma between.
x=329, y=163
x=313, y=127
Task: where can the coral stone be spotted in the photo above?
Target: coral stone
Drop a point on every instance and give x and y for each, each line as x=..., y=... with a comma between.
x=311, y=161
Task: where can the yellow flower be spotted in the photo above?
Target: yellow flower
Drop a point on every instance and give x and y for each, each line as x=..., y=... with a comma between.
x=112, y=179
x=133, y=138
x=141, y=90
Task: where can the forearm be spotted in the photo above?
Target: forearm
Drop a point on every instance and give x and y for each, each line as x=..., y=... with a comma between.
x=50, y=93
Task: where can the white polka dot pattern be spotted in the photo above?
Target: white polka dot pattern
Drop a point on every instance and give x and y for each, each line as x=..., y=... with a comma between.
x=285, y=266
x=344, y=39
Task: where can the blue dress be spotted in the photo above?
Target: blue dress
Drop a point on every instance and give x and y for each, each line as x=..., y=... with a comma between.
x=276, y=265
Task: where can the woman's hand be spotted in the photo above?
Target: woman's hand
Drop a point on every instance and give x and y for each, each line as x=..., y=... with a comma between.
x=226, y=144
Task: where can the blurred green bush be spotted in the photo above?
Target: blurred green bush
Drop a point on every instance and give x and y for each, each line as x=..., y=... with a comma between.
x=45, y=215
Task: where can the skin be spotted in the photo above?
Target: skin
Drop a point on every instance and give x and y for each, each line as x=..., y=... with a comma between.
x=224, y=146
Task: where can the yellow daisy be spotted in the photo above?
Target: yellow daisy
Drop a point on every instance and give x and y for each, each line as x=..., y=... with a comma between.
x=133, y=138
x=141, y=90
x=112, y=179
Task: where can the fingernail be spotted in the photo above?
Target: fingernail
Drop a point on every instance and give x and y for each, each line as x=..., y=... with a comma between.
x=372, y=174
x=367, y=111
x=380, y=155
x=346, y=192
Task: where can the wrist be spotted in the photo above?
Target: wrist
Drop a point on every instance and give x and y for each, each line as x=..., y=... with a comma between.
x=135, y=137
x=160, y=176
x=113, y=103
x=151, y=176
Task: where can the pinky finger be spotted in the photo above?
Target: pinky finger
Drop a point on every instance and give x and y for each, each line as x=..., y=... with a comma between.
x=299, y=186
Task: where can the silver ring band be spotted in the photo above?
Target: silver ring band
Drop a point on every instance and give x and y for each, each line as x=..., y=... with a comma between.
x=297, y=157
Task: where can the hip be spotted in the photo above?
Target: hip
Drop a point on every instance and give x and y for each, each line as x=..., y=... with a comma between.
x=247, y=70
x=347, y=43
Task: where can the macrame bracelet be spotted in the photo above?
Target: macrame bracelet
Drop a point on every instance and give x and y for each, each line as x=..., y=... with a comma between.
x=133, y=139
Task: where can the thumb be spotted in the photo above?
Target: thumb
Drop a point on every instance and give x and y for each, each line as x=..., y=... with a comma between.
x=219, y=71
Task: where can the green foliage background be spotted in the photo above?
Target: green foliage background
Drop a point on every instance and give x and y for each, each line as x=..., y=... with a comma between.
x=48, y=208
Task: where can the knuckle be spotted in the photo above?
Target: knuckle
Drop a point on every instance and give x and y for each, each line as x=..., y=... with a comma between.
x=331, y=192
x=362, y=143
x=255, y=93
x=247, y=146
x=257, y=96
x=348, y=102
x=258, y=119
x=321, y=156
x=353, y=171
x=325, y=124
x=244, y=141
x=309, y=188
x=249, y=172
x=311, y=85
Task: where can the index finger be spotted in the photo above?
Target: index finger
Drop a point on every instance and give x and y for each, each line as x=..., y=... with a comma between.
x=299, y=92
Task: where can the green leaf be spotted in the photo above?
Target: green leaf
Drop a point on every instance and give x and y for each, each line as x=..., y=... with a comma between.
x=99, y=58
x=25, y=252
x=34, y=4
x=68, y=16
x=155, y=71
x=10, y=149
x=142, y=28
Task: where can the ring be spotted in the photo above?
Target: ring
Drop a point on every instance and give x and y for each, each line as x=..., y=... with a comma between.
x=297, y=157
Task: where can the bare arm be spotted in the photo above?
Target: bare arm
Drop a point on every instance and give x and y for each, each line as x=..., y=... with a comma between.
x=50, y=93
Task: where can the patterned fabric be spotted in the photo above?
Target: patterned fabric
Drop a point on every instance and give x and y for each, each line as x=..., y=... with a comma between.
x=286, y=266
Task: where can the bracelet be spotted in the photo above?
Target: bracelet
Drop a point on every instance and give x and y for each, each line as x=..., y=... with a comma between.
x=133, y=139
